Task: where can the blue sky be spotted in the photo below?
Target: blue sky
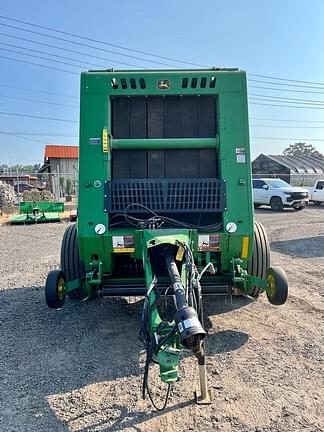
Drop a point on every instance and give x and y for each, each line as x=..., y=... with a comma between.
x=276, y=38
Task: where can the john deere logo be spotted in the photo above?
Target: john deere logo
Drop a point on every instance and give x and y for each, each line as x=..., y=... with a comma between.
x=163, y=84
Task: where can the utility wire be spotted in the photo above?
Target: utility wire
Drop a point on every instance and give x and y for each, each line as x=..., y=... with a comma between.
x=286, y=79
x=41, y=57
x=83, y=62
x=286, y=120
x=66, y=49
x=287, y=127
x=130, y=49
x=39, y=65
x=288, y=139
x=101, y=42
x=85, y=45
x=285, y=106
x=286, y=99
x=41, y=134
x=37, y=117
x=284, y=90
x=37, y=91
x=37, y=101
x=21, y=137
x=285, y=84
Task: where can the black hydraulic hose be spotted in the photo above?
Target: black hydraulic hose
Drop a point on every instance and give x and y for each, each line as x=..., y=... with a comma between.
x=175, y=280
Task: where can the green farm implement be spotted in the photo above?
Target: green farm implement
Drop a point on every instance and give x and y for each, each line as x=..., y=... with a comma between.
x=37, y=212
x=165, y=206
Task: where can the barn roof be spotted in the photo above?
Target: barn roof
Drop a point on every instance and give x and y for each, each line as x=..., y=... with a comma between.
x=61, y=152
x=300, y=164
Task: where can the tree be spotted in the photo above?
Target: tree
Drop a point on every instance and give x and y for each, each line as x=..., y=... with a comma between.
x=301, y=149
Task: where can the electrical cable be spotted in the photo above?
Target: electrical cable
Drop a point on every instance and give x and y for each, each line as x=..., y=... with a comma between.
x=37, y=117
x=39, y=65
x=284, y=90
x=37, y=101
x=287, y=127
x=44, y=58
x=37, y=91
x=285, y=84
x=66, y=49
x=41, y=134
x=86, y=45
x=285, y=106
x=289, y=139
x=286, y=120
x=285, y=99
x=83, y=62
x=285, y=79
x=101, y=42
x=21, y=137
x=137, y=221
x=148, y=361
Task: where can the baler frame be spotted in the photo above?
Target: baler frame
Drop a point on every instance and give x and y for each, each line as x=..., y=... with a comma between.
x=143, y=227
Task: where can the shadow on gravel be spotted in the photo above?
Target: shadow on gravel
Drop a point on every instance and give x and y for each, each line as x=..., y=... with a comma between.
x=125, y=418
x=309, y=247
x=45, y=352
x=225, y=341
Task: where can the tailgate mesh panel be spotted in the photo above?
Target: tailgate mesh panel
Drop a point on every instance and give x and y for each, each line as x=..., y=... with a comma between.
x=165, y=195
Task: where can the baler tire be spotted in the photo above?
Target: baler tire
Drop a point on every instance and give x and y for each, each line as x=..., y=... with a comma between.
x=54, y=289
x=71, y=264
x=277, y=291
x=260, y=261
x=276, y=204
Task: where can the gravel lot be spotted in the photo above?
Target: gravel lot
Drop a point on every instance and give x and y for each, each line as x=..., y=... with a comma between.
x=80, y=368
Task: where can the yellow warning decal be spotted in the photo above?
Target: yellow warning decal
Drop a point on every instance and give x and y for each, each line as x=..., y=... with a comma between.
x=180, y=253
x=123, y=250
x=245, y=247
x=105, y=141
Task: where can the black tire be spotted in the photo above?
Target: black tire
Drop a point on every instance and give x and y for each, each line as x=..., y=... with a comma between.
x=277, y=291
x=276, y=204
x=317, y=203
x=54, y=289
x=71, y=265
x=260, y=261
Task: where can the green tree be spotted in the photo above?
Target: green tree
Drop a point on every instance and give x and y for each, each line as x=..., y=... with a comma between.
x=301, y=149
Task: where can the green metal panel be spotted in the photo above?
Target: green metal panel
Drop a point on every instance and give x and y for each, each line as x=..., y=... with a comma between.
x=42, y=206
x=231, y=143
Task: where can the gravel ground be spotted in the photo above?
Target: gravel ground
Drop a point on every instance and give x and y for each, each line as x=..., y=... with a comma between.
x=80, y=368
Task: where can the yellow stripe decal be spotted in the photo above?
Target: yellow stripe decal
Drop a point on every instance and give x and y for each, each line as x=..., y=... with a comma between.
x=105, y=142
x=245, y=247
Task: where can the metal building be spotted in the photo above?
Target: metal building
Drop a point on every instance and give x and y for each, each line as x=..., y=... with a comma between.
x=296, y=170
x=61, y=163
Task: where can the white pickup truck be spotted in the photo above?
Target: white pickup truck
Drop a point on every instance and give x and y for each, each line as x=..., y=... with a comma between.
x=316, y=192
x=278, y=194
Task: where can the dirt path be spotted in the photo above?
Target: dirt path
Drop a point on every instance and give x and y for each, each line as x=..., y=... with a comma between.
x=80, y=369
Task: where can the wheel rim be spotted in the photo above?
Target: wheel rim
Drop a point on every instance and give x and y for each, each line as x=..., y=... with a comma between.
x=276, y=203
x=60, y=289
x=271, y=290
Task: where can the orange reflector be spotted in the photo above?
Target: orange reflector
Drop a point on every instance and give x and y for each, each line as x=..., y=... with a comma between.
x=245, y=247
